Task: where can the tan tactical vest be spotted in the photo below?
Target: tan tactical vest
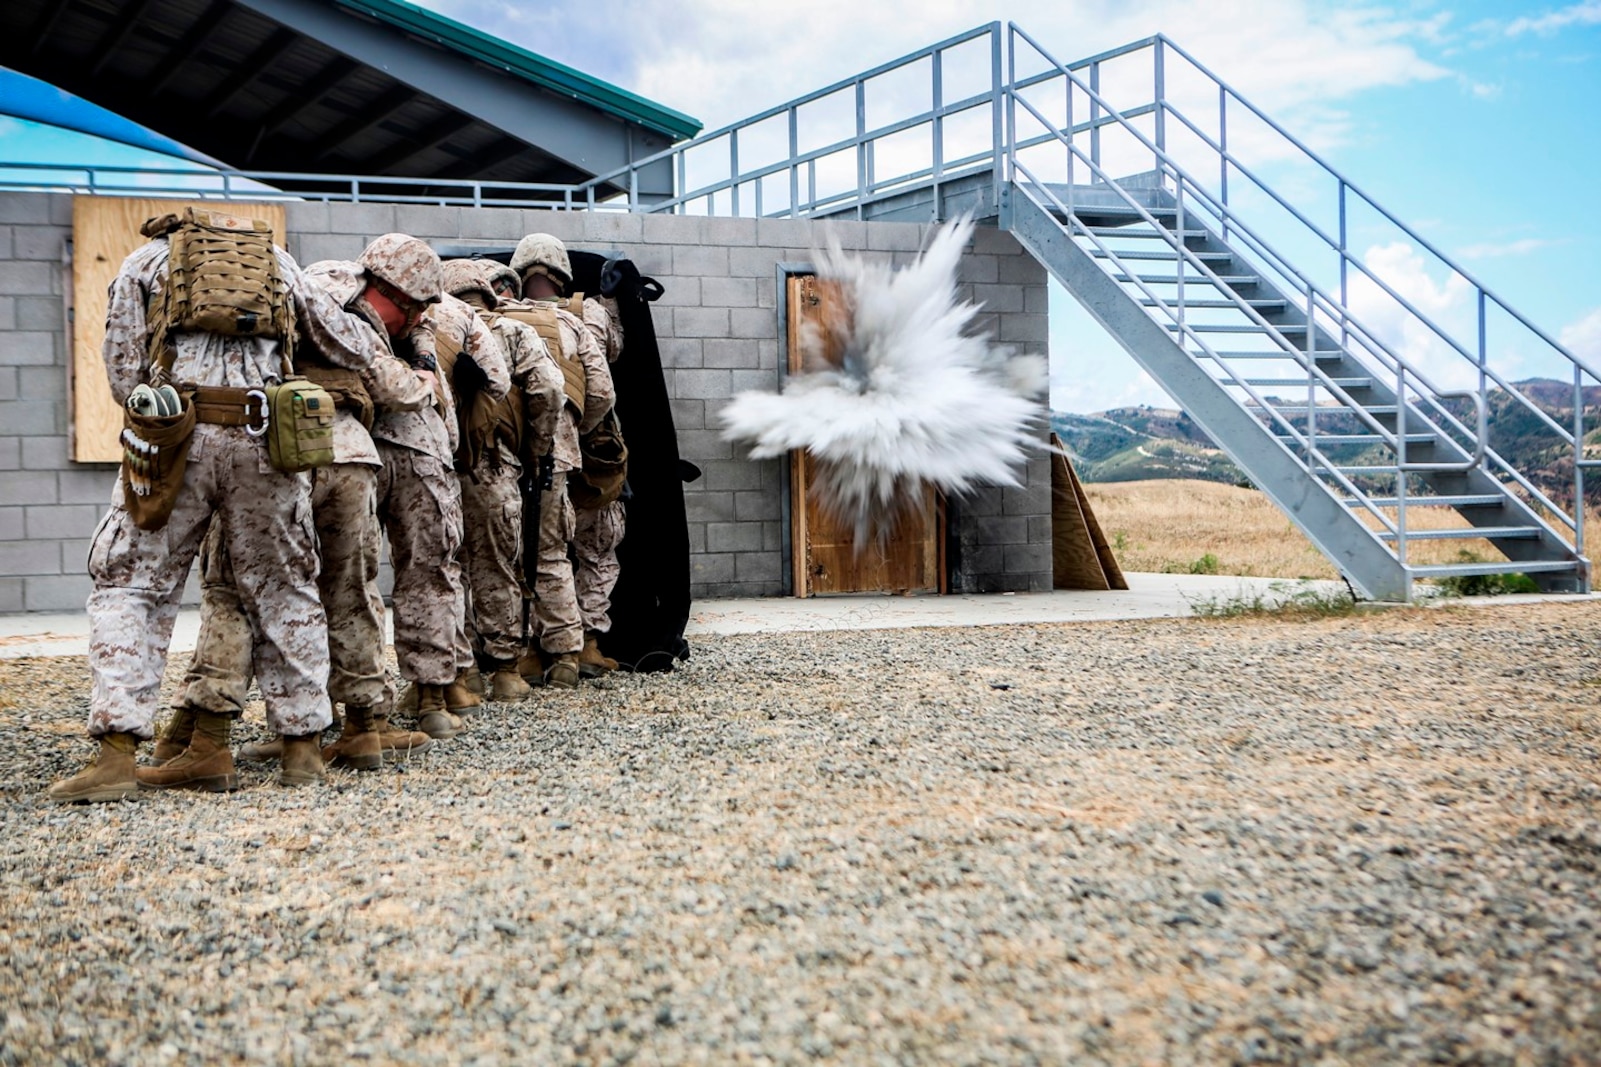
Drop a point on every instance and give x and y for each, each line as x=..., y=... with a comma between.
x=541, y=315
x=477, y=413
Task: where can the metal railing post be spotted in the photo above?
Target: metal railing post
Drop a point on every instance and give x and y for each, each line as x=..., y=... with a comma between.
x=1345, y=267
x=733, y=170
x=861, y=146
x=996, y=117
x=794, y=170
x=1161, y=99
x=683, y=183
x=1223, y=154
x=937, y=133
x=1095, y=114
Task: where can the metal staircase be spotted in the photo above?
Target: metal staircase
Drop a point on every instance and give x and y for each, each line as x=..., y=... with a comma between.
x=1160, y=198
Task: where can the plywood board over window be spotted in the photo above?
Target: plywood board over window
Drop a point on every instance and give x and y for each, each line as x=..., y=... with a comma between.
x=104, y=230
x=826, y=558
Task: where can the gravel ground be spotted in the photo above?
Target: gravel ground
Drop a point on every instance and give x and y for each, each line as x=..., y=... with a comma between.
x=1372, y=839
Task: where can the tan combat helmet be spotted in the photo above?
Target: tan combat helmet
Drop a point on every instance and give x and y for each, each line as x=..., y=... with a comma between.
x=499, y=274
x=406, y=264
x=468, y=275
x=541, y=253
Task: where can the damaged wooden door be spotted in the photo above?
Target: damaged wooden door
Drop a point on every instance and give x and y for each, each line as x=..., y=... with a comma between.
x=824, y=552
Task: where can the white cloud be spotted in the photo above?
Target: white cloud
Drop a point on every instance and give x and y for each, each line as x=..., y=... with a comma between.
x=1521, y=247
x=1587, y=13
x=1583, y=338
x=1446, y=301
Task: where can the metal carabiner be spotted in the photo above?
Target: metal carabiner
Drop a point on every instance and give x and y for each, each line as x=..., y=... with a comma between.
x=266, y=418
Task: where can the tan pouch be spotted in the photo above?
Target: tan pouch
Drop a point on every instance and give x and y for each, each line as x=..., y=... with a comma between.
x=155, y=451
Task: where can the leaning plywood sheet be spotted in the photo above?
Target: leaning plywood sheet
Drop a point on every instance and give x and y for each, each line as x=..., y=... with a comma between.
x=1080, y=555
x=104, y=230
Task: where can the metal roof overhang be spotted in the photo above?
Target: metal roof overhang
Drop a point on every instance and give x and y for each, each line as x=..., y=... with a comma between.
x=340, y=87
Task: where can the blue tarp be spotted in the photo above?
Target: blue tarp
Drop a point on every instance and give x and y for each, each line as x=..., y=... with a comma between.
x=29, y=98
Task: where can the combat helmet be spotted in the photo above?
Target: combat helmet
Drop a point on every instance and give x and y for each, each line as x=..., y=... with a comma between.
x=468, y=275
x=498, y=273
x=541, y=253
x=407, y=264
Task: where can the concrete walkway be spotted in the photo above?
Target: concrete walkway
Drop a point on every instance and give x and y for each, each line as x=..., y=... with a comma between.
x=1149, y=596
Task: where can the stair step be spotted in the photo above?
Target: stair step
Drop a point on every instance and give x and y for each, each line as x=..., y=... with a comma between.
x=1234, y=327
x=1465, y=501
x=1493, y=533
x=1140, y=232
x=1205, y=257
x=1452, y=570
x=1343, y=383
x=1326, y=439
x=1233, y=281
x=1260, y=305
x=1329, y=356
x=1331, y=409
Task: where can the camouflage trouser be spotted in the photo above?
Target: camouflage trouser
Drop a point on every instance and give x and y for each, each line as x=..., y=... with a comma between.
x=600, y=531
x=555, y=598
x=491, y=557
x=266, y=525
x=344, y=511
x=419, y=505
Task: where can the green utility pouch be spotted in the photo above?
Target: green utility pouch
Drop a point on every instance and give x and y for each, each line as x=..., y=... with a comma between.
x=300, y=425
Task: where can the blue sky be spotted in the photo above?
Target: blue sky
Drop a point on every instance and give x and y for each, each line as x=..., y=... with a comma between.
x=1471, y=121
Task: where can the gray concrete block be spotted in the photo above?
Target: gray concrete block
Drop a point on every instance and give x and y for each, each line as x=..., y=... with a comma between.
x=700, y=322
x=986, y=500
x=616, y=226
x=1019, y=270
x=652, y=260
x=315, y=247
x=763, y=567
x=30, y=487
x=894, y=237
x=767, y=291
x=756, y=262
x=703, y=384
x=8, y=312
x=707, y=507
x=499, y=224
x=731, y=354
x=44, y=313
x=42, y=383
x=676, y=292
x=688, y=414
x=711, y=567
x=753, y=323
x=975, y=268
x=8, y=383
x=44, y=453
x=674, y=229
x=697, y=536
x=27, y=348
x=46, y=243
x=11, y=598
x=982, y=558
x=702, y=261
x=365, y=220
x=1031, y=499
x=680, y=352
x=758, y=505
x=1033, y=331
x=30, y=418
x=991, y=240
x=5, y=243
x=1037, y=299
x=733, y=537
x=772, y=536
x=698, y=446
x=730, y=231
x=87, y=484
x=26, y=208
x=568, y=225
x=713, y=590
x=766, y=379
x=996, y=530
x=306, y=216
x=75, y=555
x=55, y=521
x=789, y=233
x=740, y=474
x=1026, y=559
x=30, y=557
x=729, y=292
x=1039, y=529
x=11, y=524
x=10, y=455
x=61, y=593
x=999, y=297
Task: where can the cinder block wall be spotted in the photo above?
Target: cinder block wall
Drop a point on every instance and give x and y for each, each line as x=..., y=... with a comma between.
x=718, y=328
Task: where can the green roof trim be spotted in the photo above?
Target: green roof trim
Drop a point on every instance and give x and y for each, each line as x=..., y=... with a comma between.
x=545, y=73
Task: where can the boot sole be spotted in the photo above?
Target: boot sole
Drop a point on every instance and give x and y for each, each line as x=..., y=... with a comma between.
x=358, y=763
x=99, y=796
x=216, y=783
x=398, y=755
x=295, y=781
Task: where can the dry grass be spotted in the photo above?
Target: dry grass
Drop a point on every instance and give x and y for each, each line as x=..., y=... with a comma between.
x=1174, y=526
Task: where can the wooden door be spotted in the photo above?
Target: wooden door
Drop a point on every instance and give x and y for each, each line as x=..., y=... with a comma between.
x=825, y=556
x=104, y=230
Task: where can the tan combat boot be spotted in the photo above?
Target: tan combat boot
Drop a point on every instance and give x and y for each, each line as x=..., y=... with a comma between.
x=110, y=776
x=433, y=717
x=459, y=698
x=262, y=751
x=592, y=663
x=563, y=672
x=398, y=744
x=175, y=738
x=507, y=684
x=407, y=701
x=531, y=665
x=207, y=764
x=302, y=761
x=473, y=679
x=359, y=745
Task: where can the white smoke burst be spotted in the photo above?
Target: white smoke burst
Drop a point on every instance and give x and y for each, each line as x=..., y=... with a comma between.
x=913, y=397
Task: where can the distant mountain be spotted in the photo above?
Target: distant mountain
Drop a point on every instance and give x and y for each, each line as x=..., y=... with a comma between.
x=1139, y=443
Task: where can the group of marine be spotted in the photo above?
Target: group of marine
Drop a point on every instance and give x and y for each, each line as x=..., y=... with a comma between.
x=472, y=425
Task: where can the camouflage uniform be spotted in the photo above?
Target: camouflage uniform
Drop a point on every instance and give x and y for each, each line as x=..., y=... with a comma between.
x=599, y=530
x=344, y=513
x=265, y=518
x=419, y=502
